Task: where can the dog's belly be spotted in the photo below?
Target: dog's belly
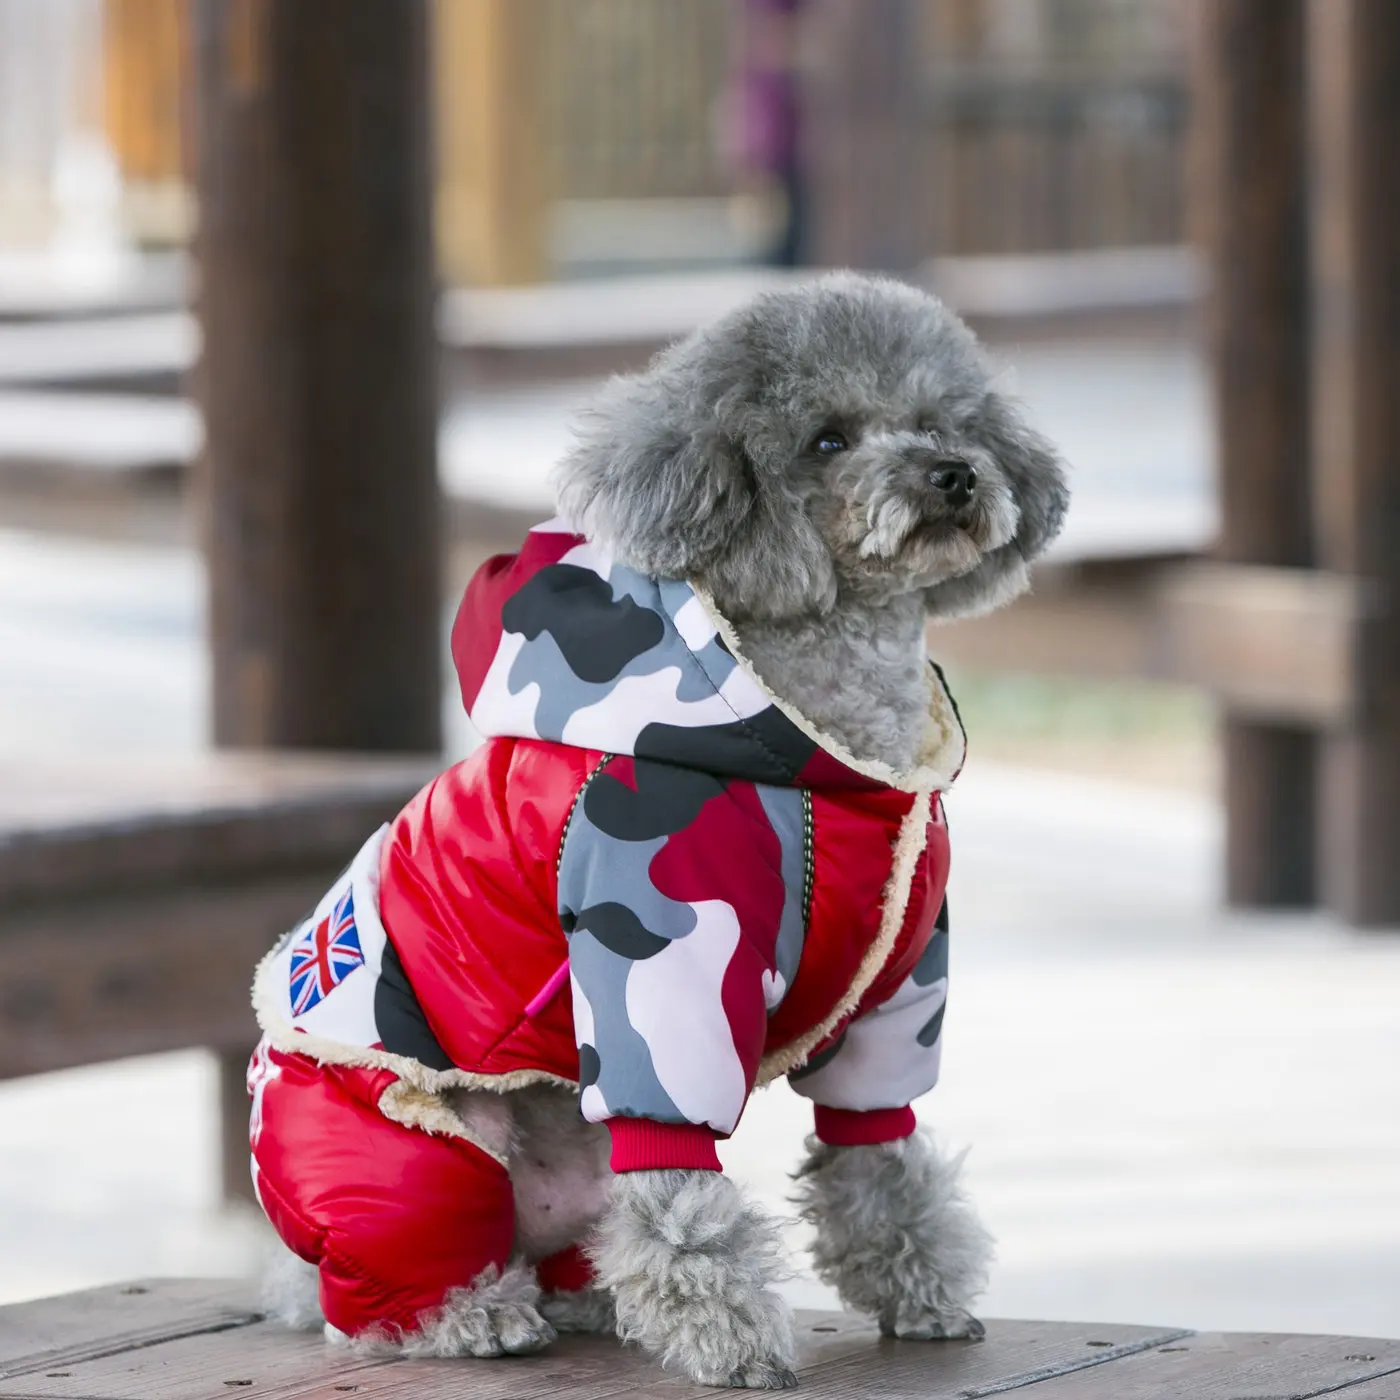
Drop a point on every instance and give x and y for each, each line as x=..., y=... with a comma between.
x=559, y=1170
x=558, y=1163
x=557, y=1200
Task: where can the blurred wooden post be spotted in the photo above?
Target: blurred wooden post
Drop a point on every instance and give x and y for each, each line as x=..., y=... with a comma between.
x=493, y=176
x=318, y=372
x=318, y=387
x=235, y=1170
x=1355, y=98
x=1250, y=203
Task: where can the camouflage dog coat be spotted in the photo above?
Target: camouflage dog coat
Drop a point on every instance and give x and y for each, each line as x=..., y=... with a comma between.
x=653, y=880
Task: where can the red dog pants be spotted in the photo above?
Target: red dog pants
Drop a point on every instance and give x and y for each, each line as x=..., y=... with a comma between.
x=392, y=1216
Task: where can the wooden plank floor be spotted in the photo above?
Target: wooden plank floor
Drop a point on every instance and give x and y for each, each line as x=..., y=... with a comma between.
x=195, y=1340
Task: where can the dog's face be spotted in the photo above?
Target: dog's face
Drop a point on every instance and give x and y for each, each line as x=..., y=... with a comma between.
x=839, y=440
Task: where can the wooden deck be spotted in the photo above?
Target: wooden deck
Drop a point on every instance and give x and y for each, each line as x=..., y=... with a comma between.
x=196, y=1340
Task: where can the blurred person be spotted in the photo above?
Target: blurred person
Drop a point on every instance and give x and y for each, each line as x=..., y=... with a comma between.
x=763, y=118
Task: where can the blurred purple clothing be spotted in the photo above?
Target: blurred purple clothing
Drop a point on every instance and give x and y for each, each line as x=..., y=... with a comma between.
x=769, y=130
x=768, y=90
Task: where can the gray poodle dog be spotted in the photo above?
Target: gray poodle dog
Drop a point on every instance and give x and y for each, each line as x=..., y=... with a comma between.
x=832, y=465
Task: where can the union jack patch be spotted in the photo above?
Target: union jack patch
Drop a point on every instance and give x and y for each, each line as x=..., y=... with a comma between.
x=324, y=956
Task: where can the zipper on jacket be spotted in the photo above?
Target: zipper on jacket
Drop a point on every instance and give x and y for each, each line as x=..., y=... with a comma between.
x=809, y=861
x=560, y=975
x=603, y=762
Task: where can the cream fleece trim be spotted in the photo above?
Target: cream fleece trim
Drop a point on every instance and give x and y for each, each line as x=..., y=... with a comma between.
x=941, y=751
x=416, y=1099
x=908, y=847
x=401, y=1102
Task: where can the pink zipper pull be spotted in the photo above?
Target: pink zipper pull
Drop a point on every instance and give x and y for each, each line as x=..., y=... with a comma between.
x=549, y=991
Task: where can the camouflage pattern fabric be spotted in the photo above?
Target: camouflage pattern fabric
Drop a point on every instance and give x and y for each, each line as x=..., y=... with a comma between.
x=682, y=896
x=596, y=655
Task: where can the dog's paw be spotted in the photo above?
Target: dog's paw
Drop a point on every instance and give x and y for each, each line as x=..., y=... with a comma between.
x=917, y=1324
x=498, y=1315
x=519, y=1329
x=585, y=1310
x=762, y=1377
x=474, y=1326
x=692, y=1266
x=896, y=1236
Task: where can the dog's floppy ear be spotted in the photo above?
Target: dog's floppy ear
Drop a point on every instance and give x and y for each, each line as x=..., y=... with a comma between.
x=661, y=479
x=1036, y=476
x=1033, y=469
x=656, y=489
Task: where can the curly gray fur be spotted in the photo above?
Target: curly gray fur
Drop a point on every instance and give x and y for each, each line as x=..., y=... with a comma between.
x=810, y=661
x=895, y=1234
x=710, y=466
x=692, y=1267
x=498, y=1315
x=587, y=1310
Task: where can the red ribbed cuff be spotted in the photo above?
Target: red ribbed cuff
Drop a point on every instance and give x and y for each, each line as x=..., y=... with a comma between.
x=639, y=1145
x=845, y=1127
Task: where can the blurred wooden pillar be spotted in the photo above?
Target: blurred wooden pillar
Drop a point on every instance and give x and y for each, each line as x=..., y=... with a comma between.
x=493, y=176
x=861, y=122
x=1355, y=98
x=1250, y=190
x=318, y=372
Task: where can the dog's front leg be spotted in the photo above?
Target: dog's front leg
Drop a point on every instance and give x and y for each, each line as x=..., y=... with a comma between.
x=896, y=1236
x=692, y=1268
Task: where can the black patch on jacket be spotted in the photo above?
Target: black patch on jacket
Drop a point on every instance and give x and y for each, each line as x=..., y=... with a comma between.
x=931, y=1028
x=768, y=748
x=597, y=634
x=666, y=800
x=403, y=1028
x=933, y=961
x=619, y=930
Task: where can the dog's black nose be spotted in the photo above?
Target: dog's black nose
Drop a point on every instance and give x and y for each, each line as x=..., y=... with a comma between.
x=956, y=480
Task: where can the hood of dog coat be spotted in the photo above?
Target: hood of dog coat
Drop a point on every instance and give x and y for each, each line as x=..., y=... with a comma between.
x=560, y=642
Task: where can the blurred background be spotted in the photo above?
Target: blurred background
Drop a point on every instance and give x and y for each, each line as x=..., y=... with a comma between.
x=296, y=295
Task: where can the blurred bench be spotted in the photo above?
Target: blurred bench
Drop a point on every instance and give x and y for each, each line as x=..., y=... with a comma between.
x=45, y=287
x=135, y=899
x=560, y=330
x=195, y=1339
x=1132, y=593
x=145, y=353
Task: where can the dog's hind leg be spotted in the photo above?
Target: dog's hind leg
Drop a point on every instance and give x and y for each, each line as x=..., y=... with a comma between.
x=497, y=1315
x=896, y=1235
x=571, y=1299
x=589, y=1311
x=560, y=1177
x=291, y=1291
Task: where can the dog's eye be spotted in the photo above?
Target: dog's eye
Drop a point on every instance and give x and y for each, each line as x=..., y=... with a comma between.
x=828, y=441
